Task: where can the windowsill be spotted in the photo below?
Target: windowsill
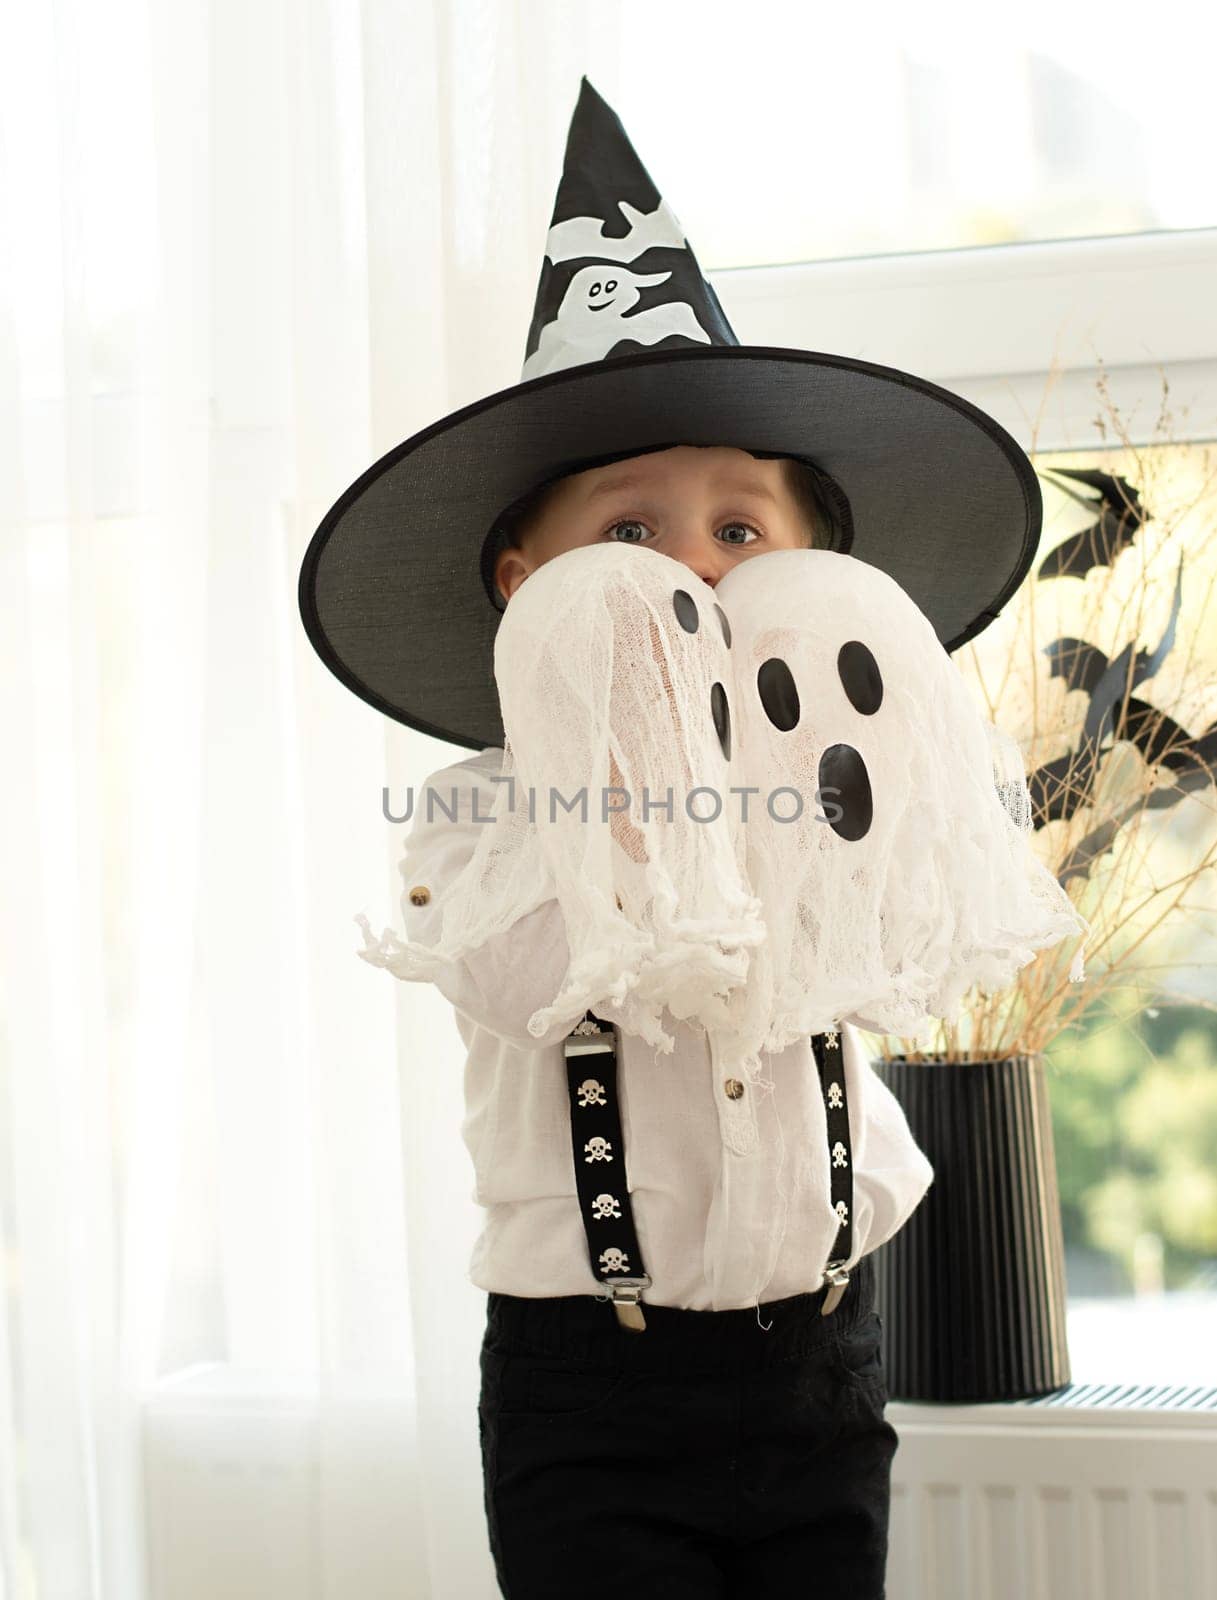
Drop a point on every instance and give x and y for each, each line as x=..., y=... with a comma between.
x=1136, y=1357
x=1097, y=1406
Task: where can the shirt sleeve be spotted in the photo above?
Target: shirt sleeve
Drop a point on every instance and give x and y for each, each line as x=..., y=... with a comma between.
x=512, y=974
x=856, y=1021
x=898, y=1171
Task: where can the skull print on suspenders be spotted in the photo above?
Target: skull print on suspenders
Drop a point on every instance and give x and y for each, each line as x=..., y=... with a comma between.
x=598, y=1147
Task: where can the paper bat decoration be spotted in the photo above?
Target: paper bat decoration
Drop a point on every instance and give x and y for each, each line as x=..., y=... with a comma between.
x=1120, y=517
x=1063, y=786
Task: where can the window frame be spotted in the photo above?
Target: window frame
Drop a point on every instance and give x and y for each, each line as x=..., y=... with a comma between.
x=990, y=323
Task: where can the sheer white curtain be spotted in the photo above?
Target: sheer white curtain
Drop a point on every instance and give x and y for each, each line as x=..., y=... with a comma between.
x=245, y=247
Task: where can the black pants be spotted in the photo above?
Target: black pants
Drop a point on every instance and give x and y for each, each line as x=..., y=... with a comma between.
x=704, y=1457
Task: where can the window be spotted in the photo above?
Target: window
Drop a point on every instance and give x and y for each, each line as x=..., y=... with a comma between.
x=1054, y=339
x=1133, y=1086
x=823, y=134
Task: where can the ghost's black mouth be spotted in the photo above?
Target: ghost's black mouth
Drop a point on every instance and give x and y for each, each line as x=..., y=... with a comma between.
x=604, y=307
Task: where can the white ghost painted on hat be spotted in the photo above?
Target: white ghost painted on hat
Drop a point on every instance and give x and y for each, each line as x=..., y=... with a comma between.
x=584, y=238
x=595, y=312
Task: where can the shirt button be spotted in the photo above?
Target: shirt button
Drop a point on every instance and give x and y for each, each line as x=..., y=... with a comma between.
x=733, y=1088
x=420, y=895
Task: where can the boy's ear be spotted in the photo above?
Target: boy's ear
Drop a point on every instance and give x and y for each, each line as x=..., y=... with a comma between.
x=510, y=570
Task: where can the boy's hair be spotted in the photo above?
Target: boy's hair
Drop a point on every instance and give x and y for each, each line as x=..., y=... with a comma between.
x=819, y=498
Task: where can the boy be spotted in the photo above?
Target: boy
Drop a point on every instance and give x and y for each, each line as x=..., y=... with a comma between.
x=575, y=1455
x=722, y=1441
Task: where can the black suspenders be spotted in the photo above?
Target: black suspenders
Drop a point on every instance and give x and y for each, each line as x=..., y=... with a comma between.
x=598, y=1147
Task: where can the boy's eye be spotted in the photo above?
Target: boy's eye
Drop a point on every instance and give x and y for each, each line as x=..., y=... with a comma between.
x=728, y=527
x=627, y=523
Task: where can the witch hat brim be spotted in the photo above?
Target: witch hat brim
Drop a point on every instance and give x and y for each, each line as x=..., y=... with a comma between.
x=395, y=590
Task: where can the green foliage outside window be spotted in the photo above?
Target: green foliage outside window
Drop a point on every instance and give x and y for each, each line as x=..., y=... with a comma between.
x=1134, y=1108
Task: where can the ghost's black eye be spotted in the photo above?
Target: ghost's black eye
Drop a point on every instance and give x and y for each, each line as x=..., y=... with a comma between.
x=779, y=693
x=685, y=607
x=595, y=289
x=723, y=624
x=610, y=286
x=846, y=786
x=860, y=677
x=722, y=717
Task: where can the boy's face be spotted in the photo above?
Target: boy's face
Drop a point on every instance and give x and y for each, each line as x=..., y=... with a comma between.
x=708, y=506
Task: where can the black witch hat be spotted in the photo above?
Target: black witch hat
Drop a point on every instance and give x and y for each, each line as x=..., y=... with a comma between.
x=630, y=351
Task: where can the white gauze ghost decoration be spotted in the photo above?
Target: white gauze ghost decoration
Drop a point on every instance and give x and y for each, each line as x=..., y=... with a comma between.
x=612, y=667
x=920, y=879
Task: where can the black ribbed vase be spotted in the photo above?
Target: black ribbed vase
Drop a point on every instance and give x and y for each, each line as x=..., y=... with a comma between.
x=972, y=1289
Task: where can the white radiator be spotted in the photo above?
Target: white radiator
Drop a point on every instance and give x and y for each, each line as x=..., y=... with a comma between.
x=1099, y=1492
x=1096, y=1493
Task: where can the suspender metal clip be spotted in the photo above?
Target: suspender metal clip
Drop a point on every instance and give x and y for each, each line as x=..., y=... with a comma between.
x=592, y=1044
x=837, y=1274
x=626, y=1294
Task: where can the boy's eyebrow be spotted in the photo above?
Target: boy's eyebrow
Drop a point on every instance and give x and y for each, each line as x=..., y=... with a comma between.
x=632, y=481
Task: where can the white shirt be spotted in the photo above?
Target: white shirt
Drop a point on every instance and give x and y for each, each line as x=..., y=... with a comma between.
x=730, y=1196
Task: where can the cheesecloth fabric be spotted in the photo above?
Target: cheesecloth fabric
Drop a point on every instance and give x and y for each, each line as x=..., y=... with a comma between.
x=914, y=877
x=605, y=695
x=821, y=821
